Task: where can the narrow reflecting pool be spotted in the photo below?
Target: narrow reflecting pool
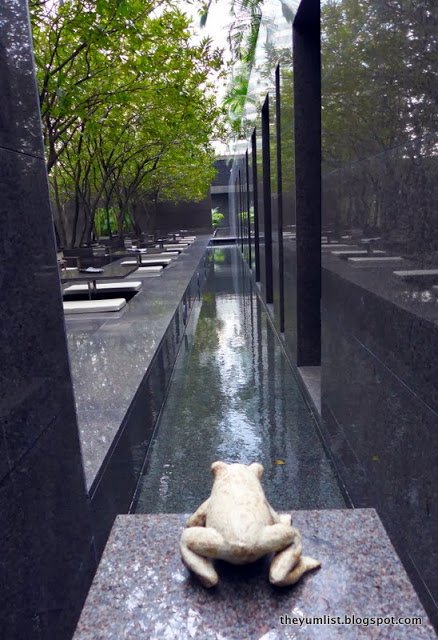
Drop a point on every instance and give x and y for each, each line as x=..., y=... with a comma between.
x=233, y=397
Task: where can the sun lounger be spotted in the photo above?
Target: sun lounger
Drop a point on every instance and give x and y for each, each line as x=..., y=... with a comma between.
x=94, y=306
x=131, y=285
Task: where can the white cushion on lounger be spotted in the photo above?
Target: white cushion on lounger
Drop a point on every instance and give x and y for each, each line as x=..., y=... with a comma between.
x=151, y=269
x=94, y=306
x=133, y=285
x=161, y=254
x=415, y=273
x=145, y=261
x=356, y=252
x=370, y=259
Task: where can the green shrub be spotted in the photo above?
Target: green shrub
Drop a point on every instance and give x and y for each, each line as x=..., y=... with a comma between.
x=216, y=217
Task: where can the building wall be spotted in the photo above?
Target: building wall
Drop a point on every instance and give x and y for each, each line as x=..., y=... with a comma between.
x=47, y=552
x=374, y=334
x=219, y=189
x=193, y=216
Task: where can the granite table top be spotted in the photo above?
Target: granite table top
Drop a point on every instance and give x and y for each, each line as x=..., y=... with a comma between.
x=112, y=271
x=142, y=590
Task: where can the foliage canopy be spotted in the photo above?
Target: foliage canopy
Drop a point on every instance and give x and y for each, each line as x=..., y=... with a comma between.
x=127, y=108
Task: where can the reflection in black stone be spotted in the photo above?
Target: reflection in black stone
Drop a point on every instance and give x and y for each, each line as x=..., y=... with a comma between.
x=379, y=193
x=379, y=122
x=20, y=125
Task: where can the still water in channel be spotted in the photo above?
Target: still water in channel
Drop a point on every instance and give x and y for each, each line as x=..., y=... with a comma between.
x=233, y=397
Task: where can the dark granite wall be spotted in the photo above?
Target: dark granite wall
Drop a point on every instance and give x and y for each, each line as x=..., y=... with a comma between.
x=380, y=332
x=47, y=554
x=219, y=190
x=378, y=191
x=220, y=201
x=172, y=216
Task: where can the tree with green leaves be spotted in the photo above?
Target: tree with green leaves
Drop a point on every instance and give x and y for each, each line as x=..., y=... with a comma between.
x=127, y=106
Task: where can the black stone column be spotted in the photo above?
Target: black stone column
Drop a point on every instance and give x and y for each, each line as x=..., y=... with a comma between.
x=307, y=99
x=46, y=550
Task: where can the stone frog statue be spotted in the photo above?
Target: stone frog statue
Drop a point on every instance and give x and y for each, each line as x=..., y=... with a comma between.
x=237, y=524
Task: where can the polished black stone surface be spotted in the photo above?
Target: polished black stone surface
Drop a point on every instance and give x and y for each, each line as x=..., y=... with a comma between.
x=307, y=120
x=47, y=549
x=20, y=125
x=396, y=320
x=109, y=357
x=380, y=338
x=379, y=192
x=113, y=271
x=289, y=209
x=383, y=437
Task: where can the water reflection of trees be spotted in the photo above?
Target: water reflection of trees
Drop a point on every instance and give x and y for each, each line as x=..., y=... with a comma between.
x=379, y=117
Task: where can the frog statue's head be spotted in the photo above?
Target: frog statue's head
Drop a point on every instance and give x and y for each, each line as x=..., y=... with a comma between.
x=219, y=468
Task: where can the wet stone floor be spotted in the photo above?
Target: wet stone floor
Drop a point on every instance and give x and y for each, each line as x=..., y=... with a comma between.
x=233, y=397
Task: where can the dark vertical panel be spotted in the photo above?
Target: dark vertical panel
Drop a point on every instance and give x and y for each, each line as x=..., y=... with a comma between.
x=307, y=96
x=241, y=221
x=251, y=204
x=236, y=205
x=46, y=549
x=248, y=216
x=280, y=199
x=255, y=205
x=260, y=193
x=287, y=151
x=274, y=205
x=266, y=158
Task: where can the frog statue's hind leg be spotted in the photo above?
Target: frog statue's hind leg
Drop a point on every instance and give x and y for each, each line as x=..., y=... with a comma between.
x=199, y=545
x=198, y=518
x=288, y=565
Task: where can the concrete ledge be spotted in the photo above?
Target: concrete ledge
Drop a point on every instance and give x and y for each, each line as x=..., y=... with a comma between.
x=142, y=590
x=94, y=306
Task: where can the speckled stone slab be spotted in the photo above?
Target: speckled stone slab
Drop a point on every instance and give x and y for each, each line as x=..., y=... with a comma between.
x=142, y=590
